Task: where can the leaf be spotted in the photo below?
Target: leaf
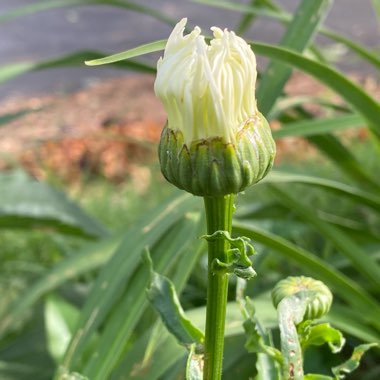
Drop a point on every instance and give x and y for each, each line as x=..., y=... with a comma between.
x=90, y=257
x=60, y=319
x=126, y=314
x=344, y=159
x=163, y=297
x=51, y=4
x=361, y=260
x=159, y=346
x=26, y=203
x=298, y=35
x=349, y=191
x=353, y=94
x=131, y=53
x=194, y=366
x=353, y=363
x=317, y=335
x=284, y=17
x=9, y=117
x=319, y=126
x=8, y=72
x=111, y=282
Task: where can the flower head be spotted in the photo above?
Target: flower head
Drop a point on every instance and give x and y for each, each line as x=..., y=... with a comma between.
x=215, y=141
x=208, y=90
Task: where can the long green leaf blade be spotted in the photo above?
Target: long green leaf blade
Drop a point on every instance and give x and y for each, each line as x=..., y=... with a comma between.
x=109, y=284
x=26, y=203
x=306, y=128
x=347, y=289
x=298, y=36
x=355, y=193
x=131, y=53
x=361, y=261
x=52, y=4
x=8, y=72
x=349, y=91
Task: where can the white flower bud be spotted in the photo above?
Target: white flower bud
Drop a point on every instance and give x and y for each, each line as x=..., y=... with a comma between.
x=215, y=141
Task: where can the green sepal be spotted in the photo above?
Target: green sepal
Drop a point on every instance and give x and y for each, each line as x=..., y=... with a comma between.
x=214, y=167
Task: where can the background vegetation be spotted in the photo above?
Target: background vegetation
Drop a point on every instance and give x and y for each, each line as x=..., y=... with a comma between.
x=72, y=284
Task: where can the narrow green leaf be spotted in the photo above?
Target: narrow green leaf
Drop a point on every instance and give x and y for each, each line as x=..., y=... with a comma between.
x=247, y=9
x=157, y=351
x=131, y=53
x=51, y=4
x=26, y=203
x=349, y=91
x=92, y=256
x=8, y=72
x=319, y=126
x=163, y=297
x=361, y=260
x=284, y=17
x=362, y=52
x=290, y=103
x=9, y=117
x=111, y=281
x=355, y=193
x=133, y=303
x=248, y=18
x=376, y=7
x=353, y=363
x=345, y=160
x=298, y=36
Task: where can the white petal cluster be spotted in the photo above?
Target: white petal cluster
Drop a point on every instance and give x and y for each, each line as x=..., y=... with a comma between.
x=208, y=90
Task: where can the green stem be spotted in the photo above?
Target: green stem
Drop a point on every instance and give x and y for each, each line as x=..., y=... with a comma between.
x=219, y=217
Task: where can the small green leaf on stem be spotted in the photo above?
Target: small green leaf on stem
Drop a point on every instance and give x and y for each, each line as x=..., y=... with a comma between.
x=316, y=335
x=163, y=297
x=351, y=364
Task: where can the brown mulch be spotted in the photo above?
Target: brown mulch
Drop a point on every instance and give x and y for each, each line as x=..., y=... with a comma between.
x=109, y=128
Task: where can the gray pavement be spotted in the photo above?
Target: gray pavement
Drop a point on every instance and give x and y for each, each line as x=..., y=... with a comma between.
x=56, y=32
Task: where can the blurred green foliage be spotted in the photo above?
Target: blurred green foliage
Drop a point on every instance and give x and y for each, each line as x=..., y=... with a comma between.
x=73, y=284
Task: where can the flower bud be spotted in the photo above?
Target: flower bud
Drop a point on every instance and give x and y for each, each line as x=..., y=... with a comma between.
x=215, y=141
x=319, y=295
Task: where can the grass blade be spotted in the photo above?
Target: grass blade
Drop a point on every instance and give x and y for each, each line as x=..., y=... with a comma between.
x=52, y=4
x=361, y=261
x=306, y=128
x=109, y=284
x=11, y=71
x=298, y=36
x=131, y=53
x=26, y=203
x=133, y=303
x=343, y=286
x=345, y=160
x=349, y=91
x=91, y=257
x=355, y=193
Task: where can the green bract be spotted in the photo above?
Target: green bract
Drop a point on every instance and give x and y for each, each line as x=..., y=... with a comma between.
x=215, y=141
x=211, y=166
